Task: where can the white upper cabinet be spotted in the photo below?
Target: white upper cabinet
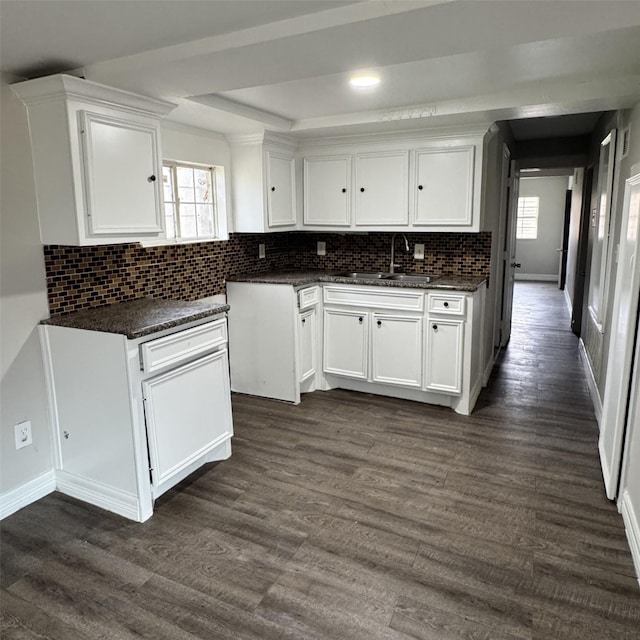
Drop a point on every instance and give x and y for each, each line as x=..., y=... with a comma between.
x=382, y=188
x=97, y=161
x=327, y=191
x=442, y=186
x=420, y=181
x=263, y=183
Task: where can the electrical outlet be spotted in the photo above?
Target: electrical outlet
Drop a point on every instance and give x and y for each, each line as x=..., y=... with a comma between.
x=418, y=251
x=261, y=250
x=322, y=248
x=23, y=434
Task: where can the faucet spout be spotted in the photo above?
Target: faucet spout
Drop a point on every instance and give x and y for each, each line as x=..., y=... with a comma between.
x=393, y=265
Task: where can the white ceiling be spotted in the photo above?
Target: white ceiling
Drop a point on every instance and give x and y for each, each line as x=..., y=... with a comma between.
x=241, y=65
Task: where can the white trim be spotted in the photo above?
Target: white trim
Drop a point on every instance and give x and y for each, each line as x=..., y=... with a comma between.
x=100, y=495
x=567, y=299
x=537, y=277
x=24, y=495
x=591, y=382
x=632, y=528
x=52, y=403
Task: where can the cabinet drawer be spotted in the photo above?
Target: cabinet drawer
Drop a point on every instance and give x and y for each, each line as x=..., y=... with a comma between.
x=376, y=297
x=446, y=303
x=182, y=345
x=308, y=297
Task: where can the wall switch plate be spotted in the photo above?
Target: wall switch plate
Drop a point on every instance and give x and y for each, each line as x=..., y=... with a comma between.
x=23, y=434
x=418, y=251
x=322, y=248
x=261, y=250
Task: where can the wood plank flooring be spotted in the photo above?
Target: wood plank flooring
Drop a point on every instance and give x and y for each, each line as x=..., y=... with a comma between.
x=360, y=517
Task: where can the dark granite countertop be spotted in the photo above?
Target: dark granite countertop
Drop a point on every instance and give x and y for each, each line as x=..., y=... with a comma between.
x=137, y=318
x=301, y=278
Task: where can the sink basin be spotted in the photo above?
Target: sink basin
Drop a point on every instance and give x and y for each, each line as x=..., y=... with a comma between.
x=407, y=277
x=398, y=277
x=363, y=275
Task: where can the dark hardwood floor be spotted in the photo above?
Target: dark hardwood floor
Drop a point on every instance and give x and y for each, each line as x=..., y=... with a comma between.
x=358, y=517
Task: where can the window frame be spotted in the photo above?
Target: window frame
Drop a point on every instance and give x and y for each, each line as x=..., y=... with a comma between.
x=218, y=191
x=519, y=216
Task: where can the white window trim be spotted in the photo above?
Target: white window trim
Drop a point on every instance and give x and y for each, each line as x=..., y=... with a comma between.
x=519, y=217
x=220, y=208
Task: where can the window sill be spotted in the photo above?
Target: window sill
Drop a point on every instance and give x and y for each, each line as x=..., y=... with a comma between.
x=164, y=242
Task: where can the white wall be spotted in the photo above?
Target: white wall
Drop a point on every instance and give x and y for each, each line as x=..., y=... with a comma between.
x=23, y=300
x=540, y=257
x=182, y=143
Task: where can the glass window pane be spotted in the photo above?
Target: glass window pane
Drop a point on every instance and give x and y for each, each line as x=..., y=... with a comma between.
x=186, y=194
x=167, y=184
x=205, y=220
x=185, y=177
x=188, y=227
x=203, y=185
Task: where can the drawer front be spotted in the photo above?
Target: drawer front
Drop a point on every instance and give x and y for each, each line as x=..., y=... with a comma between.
x=308, y=297
x=446, y=303
x=376, y=297
x=182, y=345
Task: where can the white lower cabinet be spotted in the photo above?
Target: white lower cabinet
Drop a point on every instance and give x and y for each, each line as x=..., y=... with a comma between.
x=407, y=343
x=187, y=412
x=444, y=351
x=307, y=338
x=274, y=338
x=346, y=342
x=134, y=417
x=396, y=350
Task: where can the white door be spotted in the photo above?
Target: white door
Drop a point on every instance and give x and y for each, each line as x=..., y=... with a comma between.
x=327, y=191
x=345, y=343
x=443, y=186
x=281, y=193
x=444, y=346
x=396, y=350
x=509, y=258
x=382, y=188
x=307, y=344
x=188, y=413
x=620, y=363
x=122, y=176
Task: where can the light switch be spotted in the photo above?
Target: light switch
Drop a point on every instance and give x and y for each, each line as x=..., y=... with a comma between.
x=418, y=251
x=261, y=250
x=322, y=248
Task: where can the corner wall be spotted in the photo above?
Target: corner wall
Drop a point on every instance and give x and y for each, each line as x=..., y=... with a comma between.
x=23, y=299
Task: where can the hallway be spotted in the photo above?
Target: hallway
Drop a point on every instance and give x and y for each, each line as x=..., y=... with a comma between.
x=361, y=517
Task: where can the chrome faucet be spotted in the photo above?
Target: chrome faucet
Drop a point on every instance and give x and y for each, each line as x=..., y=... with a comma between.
x=393, y=265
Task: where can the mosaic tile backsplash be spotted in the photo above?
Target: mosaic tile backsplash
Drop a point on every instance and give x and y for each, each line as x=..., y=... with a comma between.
x=83, y=277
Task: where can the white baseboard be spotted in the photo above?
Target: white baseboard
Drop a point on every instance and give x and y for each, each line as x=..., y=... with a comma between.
x=632, y=528
x=591, y=382
x=537, y=277
x=26, y=494
x=100, y=495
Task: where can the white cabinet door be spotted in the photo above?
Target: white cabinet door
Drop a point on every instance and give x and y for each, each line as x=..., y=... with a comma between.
x=281, y=197
x=122, y=176
x=188, y=413
x=442, y=186
x=382, y=188
x=327, y=191
x=307, y=344
x=345, y=343
x=397, y=350
x=444, y=342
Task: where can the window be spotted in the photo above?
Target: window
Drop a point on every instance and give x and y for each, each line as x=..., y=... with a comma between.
x=527, y=221
x=191, y=201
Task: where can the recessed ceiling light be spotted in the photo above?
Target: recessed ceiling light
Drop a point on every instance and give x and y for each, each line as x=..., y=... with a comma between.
x=364, y=81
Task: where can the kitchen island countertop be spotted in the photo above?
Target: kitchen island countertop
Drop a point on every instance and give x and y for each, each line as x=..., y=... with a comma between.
x=139, y=317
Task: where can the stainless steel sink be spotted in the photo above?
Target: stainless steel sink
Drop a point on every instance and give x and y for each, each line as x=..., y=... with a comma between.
x=363, y=275
x=398, y=277
x=408, y=277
